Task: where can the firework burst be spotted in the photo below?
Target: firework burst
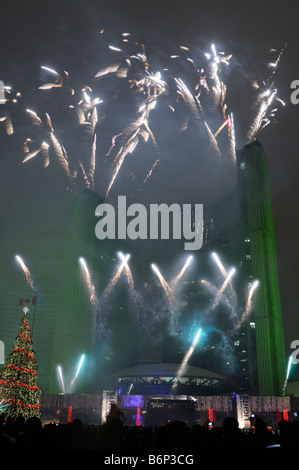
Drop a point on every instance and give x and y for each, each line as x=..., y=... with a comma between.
x=227, y=295
x=201, y=108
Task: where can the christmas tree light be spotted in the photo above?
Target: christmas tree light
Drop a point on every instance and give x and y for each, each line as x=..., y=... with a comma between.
x=18, y=380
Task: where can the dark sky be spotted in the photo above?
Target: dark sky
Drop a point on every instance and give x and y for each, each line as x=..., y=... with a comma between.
x=67, y=34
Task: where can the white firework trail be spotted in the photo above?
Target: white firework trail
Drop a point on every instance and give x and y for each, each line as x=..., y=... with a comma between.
x=248, y=308
x=61, y=379
x=231, y=290
x=90, y=286
x=102, y=304
x=72, y=383
x=210, y=87
x=7, y=123
x=8, y=98
x=86, y=113
x=261, y=119
x=219, y=292
x=164, y=284
x=150, y=86
x=130, y=138
x=290, y=362
x=124, y=259
x=185, y=360
x=181, y=273
x=172, y=302
x=136, y=296
x=26, y=272
x=87, y=116
x=215, y=290
x=69, y=388
x=116, y=276
x=46, y=131
x=223, y=287
x=266, y=94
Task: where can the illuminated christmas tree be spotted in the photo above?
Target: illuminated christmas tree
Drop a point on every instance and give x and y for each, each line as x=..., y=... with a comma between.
x=18, y=380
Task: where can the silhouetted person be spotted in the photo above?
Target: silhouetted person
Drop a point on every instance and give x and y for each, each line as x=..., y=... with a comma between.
x=262, y=436
x=232, y=436
x=115, y=415
x=289, y=434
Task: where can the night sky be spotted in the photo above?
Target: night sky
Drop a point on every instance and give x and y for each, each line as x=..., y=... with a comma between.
x=66, y=35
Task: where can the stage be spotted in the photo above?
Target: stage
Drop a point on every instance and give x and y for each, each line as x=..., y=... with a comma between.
x=156, y=410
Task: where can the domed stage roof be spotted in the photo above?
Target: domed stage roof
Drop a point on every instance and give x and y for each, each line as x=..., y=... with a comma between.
x=164, y=375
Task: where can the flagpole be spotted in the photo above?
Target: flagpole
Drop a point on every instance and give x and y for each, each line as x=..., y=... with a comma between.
x=35, y=297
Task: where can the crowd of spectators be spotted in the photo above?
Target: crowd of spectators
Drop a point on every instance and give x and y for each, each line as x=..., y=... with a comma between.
x=114, y=435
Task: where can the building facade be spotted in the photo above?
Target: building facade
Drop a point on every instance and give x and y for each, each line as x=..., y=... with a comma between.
x=260, y=262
